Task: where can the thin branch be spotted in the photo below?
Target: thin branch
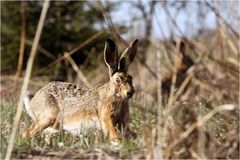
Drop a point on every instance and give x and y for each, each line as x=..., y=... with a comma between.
x=42, y=50
x=172, y=89
x=80, y=74
x=172, y=20
x=89, y=40
x=118, y=37
x=22, y=41
x=159, y=24
x=109, y=22
x=20, y=80
x=226, y=67
x=216, y=12
x=27, y=78
x=199, y=123
x=160, y=109
x=184, y=83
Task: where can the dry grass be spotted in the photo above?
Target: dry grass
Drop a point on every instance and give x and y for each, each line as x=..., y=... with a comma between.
x=197, y=119
x=199, y=122
x=215, y=138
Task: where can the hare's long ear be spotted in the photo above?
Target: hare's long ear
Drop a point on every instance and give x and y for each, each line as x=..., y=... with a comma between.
x=111, y=56
x=128, y=56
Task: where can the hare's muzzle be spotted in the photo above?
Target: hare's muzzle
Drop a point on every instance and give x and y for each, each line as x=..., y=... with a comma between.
x=130, y=94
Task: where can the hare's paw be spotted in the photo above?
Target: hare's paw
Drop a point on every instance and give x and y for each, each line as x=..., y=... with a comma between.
x=115, y=142
x=48, y=133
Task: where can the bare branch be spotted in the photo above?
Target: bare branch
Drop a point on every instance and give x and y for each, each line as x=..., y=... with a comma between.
x=89, y=40
x=22, y=41
x=27, y=78
x=215, y=11
x=80, y=74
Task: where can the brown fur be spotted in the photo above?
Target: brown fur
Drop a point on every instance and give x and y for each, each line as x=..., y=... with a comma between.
x=78, y=109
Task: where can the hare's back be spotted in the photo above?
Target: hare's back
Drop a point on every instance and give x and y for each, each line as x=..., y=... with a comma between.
x=62, y=90
x=50, y=98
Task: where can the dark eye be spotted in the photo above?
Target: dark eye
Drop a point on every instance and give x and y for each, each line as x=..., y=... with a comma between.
x=118, y=80
x=129, y=79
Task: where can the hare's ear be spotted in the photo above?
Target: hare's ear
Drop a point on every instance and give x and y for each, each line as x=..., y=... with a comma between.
x=111, y=56
x=128, y=56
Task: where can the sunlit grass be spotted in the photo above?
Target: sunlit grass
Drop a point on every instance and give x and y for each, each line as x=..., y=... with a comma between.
x=142, y=116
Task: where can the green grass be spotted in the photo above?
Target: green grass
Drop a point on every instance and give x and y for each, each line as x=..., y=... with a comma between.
x=142, y=116
x=60, y=141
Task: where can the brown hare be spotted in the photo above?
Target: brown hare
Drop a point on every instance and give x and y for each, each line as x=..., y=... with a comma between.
x=78, y=109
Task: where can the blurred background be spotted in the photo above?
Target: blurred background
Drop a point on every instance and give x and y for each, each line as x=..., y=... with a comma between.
x=188, y=54
x=157, y=24
x=205, y=29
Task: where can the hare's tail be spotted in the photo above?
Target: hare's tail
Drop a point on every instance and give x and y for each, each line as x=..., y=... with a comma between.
x=28, y=96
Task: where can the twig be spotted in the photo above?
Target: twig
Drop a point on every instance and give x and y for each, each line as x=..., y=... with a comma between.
x=22, y=41
x=162, y=49
x=110, y=24
x=42, y=50
x=89, y=40
x=118, y=37
x=159, y=87
x=198, y=124
x=184, y=83
x=216, y=12
x=172, y=89
x=230, y=42
x=206, y=86
x=172, y=20
x=159, y=24
x=26, y=79
x=19, y=80
x=143, y=109
x=226, y=67
x=158, y=155
x=147, y=67
x=80, y=74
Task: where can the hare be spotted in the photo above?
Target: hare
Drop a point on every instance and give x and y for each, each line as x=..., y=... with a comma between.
x=78, y=109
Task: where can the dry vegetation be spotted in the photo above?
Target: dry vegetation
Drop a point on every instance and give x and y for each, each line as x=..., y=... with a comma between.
x=195, y=117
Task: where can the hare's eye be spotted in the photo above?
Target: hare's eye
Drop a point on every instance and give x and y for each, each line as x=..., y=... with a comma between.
x=118, y=80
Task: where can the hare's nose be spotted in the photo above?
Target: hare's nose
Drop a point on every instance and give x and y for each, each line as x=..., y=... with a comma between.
x=130, y=94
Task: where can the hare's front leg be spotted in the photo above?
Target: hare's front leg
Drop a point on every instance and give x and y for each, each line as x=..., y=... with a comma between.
x=123, y=118
x=49, y=132
x=108, y=127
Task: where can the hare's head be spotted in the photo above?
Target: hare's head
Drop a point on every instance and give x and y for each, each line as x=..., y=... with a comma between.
x=120, y=81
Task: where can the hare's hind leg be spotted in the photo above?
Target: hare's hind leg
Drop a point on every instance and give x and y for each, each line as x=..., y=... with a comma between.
x=40, y=125
x=45, y=111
